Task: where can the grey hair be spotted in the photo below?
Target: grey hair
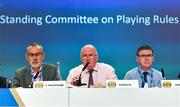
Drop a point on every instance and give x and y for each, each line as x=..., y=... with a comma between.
x=34, y=44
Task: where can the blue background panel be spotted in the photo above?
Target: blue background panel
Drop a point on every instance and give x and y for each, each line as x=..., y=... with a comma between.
x=116, y=43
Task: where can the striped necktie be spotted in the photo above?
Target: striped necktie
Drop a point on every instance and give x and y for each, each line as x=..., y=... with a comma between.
x=90, y=78
x=145, y=78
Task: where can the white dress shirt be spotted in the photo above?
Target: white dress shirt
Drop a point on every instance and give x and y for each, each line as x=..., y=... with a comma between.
x=101, y=73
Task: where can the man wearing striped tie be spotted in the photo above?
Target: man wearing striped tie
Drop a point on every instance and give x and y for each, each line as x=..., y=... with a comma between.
x=90, y=73
x=144, y=73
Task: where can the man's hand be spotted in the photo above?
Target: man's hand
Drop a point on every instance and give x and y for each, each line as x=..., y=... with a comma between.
x=74, y=80
x=99, y=85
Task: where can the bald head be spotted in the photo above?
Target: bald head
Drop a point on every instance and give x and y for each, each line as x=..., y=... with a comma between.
x=89, y=54
x=89, y=46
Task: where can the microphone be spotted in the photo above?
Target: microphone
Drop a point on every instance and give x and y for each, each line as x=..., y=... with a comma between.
x=78, y=82
x=58, y=71
x=178, y=76
x=163, y=75
x=31, y=85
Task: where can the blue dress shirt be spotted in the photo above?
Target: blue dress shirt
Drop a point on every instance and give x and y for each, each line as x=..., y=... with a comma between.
x=154, y=77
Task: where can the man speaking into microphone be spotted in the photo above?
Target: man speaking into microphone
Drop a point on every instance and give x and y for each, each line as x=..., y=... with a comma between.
x=90, y=74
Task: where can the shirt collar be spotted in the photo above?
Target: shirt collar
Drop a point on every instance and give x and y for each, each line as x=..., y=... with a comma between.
x=141, y=70
x=94, y=69
x=33, y=71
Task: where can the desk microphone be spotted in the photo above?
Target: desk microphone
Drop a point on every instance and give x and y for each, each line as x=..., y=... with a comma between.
x=78, y=82
x=178, y=76
x=163, y=75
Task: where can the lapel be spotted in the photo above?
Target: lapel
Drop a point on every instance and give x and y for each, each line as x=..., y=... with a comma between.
x=28, y=76
x=45, y=73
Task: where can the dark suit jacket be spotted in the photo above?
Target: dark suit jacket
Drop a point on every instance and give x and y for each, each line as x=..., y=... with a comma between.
x=24, y=78
x=2, y=82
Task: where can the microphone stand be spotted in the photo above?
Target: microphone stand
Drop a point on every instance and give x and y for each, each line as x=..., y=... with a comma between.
x=163, y=75
x=78, y=82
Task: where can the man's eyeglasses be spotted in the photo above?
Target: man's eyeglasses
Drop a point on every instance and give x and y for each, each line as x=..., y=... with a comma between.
x=88, y=55
x=145, y=56
x=35, y=54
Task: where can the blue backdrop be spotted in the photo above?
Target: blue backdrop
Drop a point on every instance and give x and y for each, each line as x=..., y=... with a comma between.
x=116, y=43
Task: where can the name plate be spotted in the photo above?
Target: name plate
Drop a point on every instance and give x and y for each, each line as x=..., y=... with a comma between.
x=122, y=84
x=49, y=84
x=170, y=83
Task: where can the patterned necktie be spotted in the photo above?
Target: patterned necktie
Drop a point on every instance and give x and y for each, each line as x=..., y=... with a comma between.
x=145, y=78
x=90, y=78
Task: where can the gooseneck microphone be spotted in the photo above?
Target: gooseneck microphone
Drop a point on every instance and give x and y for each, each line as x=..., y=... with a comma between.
x=78, y=82
x=178, y=76
x=163, y=75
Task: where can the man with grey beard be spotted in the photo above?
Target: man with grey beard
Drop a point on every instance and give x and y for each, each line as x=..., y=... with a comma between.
x=36, y=70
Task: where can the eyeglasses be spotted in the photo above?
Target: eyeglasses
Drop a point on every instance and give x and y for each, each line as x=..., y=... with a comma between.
x=35, y=54
x=145, y=56
x=88, y=55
